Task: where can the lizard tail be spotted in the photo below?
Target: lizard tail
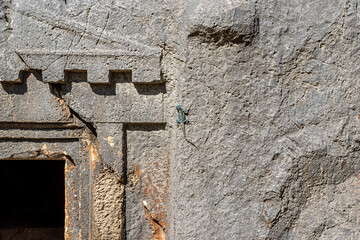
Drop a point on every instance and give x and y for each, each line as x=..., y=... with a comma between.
x=188, y=141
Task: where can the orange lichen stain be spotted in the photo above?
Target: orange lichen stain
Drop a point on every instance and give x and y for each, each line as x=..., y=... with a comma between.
x=155, y=184
x=67, y=221
x=110, y=141
x=12, y=107
x=94, y=157
x=70, y=195
x=67, y=210
x=163, y=223
x=67, y=169
x=46, y=151
x=157, y=217
x=64, y=106
x=137, y=168
x=11, y=102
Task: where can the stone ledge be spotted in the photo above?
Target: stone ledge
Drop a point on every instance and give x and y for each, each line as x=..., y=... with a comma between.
x=54, y=64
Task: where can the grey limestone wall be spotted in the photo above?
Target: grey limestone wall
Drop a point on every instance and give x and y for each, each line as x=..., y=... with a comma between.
x=272, y=148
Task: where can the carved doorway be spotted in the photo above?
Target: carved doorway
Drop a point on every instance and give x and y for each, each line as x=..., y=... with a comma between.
x=33, y=199
x=114, y=145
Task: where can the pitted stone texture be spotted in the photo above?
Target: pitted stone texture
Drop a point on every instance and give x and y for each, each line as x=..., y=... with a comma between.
x=331, y=213
x=274, y=119
x=108, y=205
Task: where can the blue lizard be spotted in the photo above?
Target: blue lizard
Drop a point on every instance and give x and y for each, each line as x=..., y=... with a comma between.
x=182, y=121
x=182, y=113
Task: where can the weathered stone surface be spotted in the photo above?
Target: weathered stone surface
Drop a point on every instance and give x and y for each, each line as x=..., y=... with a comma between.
x=108, y=205
x=274, y=119
x=148, y=182
x=331, y=213
x=271, y=151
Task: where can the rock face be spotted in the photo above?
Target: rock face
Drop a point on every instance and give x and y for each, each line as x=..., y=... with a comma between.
x=272, y=148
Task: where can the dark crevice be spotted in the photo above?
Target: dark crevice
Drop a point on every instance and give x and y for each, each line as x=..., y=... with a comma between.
x=221, y=36
x=143, y=126
x=256, y=23
x=124, y=156
x=32, y=206
x=153, y=219
x=6, y=6
x=40, y=154
x=19, y=138
x=50, y=140
x=70, y=159
x=21, y=58
x=55, y=89
x=162, y=79
x=102, y=31
x=124, y=178
x=39, y=125
x=87, y=124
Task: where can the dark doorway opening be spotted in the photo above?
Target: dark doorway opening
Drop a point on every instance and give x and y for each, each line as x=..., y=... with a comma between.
x=32, y=200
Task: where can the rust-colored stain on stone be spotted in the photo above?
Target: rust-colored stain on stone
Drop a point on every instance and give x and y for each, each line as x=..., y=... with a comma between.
x=63, y=104
x=110, y=141
x=69, y=166
x=155, y=191
x=46, y=151
x=138, y=171
x=67, y=204
x=158, y=229
x=94, y=157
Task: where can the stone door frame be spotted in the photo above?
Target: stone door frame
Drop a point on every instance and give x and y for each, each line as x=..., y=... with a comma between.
x=78, y=171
